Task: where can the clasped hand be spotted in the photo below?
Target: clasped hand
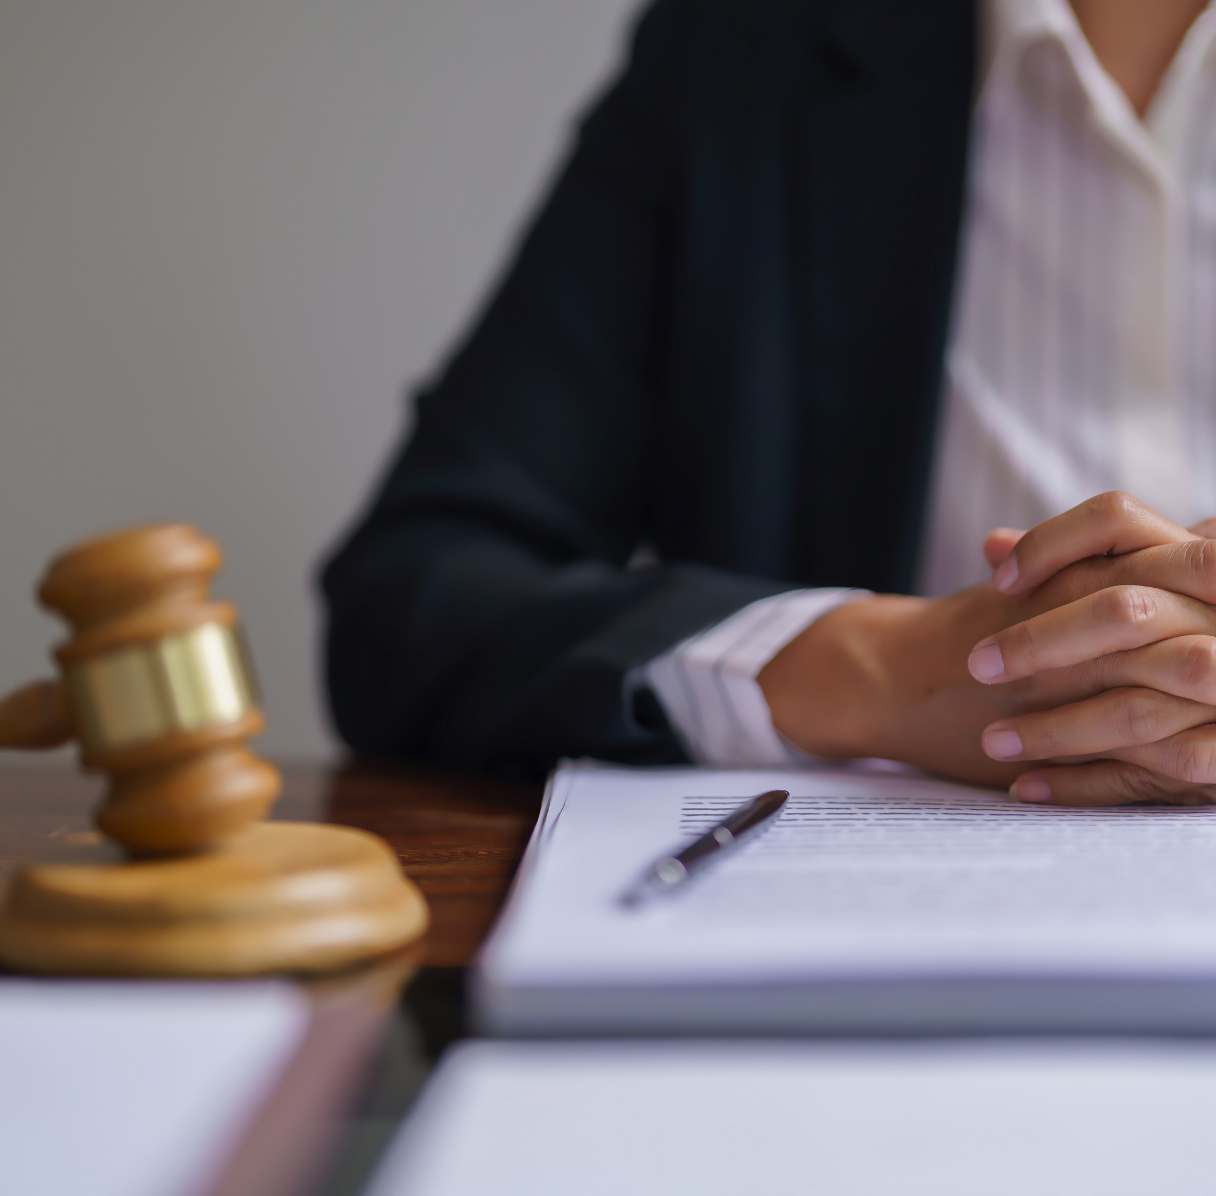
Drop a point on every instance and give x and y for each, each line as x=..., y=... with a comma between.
x=1143, y=646
x=1083, y=674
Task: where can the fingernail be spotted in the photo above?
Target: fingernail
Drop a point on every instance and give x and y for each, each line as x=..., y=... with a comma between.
x=1006, y=575
x=1030, y=790
x=1003, y=744
x=985, y=663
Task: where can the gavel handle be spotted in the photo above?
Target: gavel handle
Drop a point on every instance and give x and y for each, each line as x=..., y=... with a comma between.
x=35, y=716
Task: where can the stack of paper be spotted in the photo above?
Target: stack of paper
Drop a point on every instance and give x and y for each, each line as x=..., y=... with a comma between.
x=875, y=902
x=135, y=1089
x=798, y=1118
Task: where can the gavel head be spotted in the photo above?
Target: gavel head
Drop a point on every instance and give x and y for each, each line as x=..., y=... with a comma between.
x=159, y=689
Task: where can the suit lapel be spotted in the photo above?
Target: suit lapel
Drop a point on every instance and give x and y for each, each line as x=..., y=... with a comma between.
x=878, y=188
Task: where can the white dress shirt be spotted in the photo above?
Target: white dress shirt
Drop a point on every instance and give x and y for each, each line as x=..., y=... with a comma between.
x=1082, y=356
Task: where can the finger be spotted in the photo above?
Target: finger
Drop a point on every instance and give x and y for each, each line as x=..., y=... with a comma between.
x=1187, y=567
x=1205, y=529
x=1184, y=666
x=1113, y=523
x=1112, y=620
x=1115, y=719
x=1187, y=758
x=999, y=542
x=1105, y=783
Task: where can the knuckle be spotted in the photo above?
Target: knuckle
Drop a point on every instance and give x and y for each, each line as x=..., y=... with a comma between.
x=1197, y=666
x=1138, y=719
x=1024, y=647
x=1117, y=506
x=1202, y=555
x=1129, y=606
x=1194, y=758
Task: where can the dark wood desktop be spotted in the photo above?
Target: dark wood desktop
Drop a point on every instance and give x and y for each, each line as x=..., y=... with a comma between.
x=459, y=838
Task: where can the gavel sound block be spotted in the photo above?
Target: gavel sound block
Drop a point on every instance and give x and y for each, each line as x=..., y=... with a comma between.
x=156, y=688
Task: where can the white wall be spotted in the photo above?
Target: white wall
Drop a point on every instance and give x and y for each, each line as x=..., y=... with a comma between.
x=233, y=233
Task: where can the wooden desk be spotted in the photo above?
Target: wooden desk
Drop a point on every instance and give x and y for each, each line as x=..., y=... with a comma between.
x=458, y=837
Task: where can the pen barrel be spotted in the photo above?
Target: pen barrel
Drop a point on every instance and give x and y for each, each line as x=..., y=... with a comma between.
x=703, y=849
x=741, y=824
x=670, y=871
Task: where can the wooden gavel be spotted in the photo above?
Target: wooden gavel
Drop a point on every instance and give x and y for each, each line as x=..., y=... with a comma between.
x=157, y=689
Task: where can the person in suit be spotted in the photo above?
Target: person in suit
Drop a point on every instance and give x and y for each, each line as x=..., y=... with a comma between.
x=826, y=289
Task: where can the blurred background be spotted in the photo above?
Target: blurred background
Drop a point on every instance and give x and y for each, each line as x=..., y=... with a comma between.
x=234, y=236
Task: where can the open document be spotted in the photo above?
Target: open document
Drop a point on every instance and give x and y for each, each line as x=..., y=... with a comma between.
x=874, y=902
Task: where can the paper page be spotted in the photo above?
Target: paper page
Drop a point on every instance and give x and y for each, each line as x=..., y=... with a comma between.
x=862, y=874
x=791, y=1118
x=135, y=1089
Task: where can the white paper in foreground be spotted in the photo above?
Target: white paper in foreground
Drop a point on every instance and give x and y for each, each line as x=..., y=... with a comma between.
x=803, y=1119
x=862, y=875
x=135, y=1088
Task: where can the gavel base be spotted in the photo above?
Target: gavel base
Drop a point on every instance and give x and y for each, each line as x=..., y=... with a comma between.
x=281, y=897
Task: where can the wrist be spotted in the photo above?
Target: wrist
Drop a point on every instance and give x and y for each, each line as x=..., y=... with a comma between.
x=830, y=690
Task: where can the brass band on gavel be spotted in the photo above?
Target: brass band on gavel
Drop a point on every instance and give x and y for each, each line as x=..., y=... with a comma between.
x=179, y=683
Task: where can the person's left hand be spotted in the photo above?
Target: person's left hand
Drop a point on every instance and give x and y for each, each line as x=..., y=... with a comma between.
x=1148, y=731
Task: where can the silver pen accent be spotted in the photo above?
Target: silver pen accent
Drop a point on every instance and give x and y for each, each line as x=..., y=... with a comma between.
x=670, y=871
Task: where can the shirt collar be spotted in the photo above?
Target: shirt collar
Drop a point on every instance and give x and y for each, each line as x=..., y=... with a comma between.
x=1006, y=26
x=1011, y=26
x=1024, y=20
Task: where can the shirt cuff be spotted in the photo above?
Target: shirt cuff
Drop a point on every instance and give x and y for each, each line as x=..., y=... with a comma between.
x=707, y=684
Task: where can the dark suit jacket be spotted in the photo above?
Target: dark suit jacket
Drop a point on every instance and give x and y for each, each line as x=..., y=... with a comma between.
x=723, y=335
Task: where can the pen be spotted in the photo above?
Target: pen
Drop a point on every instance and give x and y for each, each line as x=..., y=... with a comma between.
x=670, y=871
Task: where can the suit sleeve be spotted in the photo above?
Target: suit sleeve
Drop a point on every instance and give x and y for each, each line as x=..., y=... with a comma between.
x=482, y=614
